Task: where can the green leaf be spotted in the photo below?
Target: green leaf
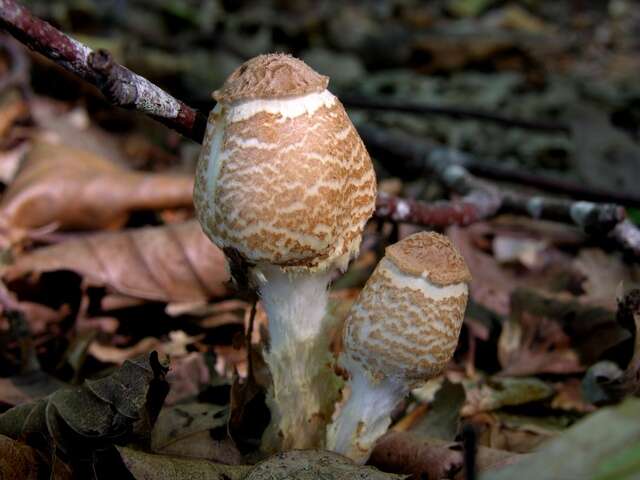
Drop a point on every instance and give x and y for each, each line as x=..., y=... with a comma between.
x=604, y=445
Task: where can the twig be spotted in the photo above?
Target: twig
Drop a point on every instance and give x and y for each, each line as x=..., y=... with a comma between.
x=249, y=334
x=445, y=164
x=470, y=446
x=389, y=104
x=389, y=146
x=627, y=235
x=593, y=218
x=121, y=86
x=549, y=184
x=472, y=208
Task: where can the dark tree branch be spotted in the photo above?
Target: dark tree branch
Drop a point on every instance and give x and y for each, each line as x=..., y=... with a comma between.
x=120, y=85
x=470, y=209
x=391, y=146
x=593, y=218
x=394, y=105
x=549, y=183
x=445, y=164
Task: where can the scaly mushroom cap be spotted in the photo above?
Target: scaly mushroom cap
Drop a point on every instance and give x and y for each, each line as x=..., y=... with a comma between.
x=283, y=176
x=407, y=319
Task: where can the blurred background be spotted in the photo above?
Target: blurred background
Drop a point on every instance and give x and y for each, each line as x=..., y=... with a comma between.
x=571, y=64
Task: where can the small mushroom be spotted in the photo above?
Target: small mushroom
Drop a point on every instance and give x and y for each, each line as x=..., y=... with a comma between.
x=401, y=332
x=285, y=183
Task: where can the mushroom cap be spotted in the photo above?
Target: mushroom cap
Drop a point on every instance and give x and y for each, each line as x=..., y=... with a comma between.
x=429, y=255
x=407, y=319
x=270, y=76
x=283, y=175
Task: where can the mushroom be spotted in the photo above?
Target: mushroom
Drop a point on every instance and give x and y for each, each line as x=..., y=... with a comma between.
x=401, y=332
x=285, y=183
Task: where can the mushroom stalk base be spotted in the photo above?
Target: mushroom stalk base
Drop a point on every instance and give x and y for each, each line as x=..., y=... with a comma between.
x=364, y=416
x=304, y=386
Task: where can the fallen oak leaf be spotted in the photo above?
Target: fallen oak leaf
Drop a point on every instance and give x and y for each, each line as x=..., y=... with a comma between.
x=169, y=263
x=77, y=189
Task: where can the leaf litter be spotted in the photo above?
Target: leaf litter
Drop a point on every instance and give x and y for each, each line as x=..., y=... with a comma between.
x=103, y=263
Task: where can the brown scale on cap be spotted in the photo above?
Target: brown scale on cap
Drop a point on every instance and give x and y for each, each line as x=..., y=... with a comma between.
x=270, y=76
x=407, y=319
x=432, y=255
x=295, y=185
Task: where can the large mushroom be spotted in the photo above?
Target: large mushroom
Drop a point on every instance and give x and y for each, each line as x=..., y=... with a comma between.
x=285, y=183
x=401, y=332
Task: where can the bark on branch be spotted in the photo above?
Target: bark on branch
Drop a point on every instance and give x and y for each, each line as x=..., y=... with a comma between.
x=120, y=85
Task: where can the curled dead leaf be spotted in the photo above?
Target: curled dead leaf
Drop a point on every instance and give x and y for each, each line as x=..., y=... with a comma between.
x=408, y=453
x=79, y=421
x=547, y=334
x=77, y=189
x=169, y=263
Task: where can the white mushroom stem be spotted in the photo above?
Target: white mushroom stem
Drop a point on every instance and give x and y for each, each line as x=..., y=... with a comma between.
x=304, y=385
x=365, y=415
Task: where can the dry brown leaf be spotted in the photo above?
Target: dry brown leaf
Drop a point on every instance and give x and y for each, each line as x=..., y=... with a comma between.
x=404, y=452
x=18, y=460
x=491, y=285
x=569, y=397
x=10, y=161
x=172, y=263
x=555, y=334
x=603, y=274
x=111, y=354
x=77, y=189
x=10, y=112
x=60, y=124
x=187, y=376
x=514, y=433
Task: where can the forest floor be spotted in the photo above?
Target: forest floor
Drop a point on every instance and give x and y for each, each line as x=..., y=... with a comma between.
x=102, y=263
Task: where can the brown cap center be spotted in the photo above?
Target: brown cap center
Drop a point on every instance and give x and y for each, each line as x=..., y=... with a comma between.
x=432, y=255
x=274, y=75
